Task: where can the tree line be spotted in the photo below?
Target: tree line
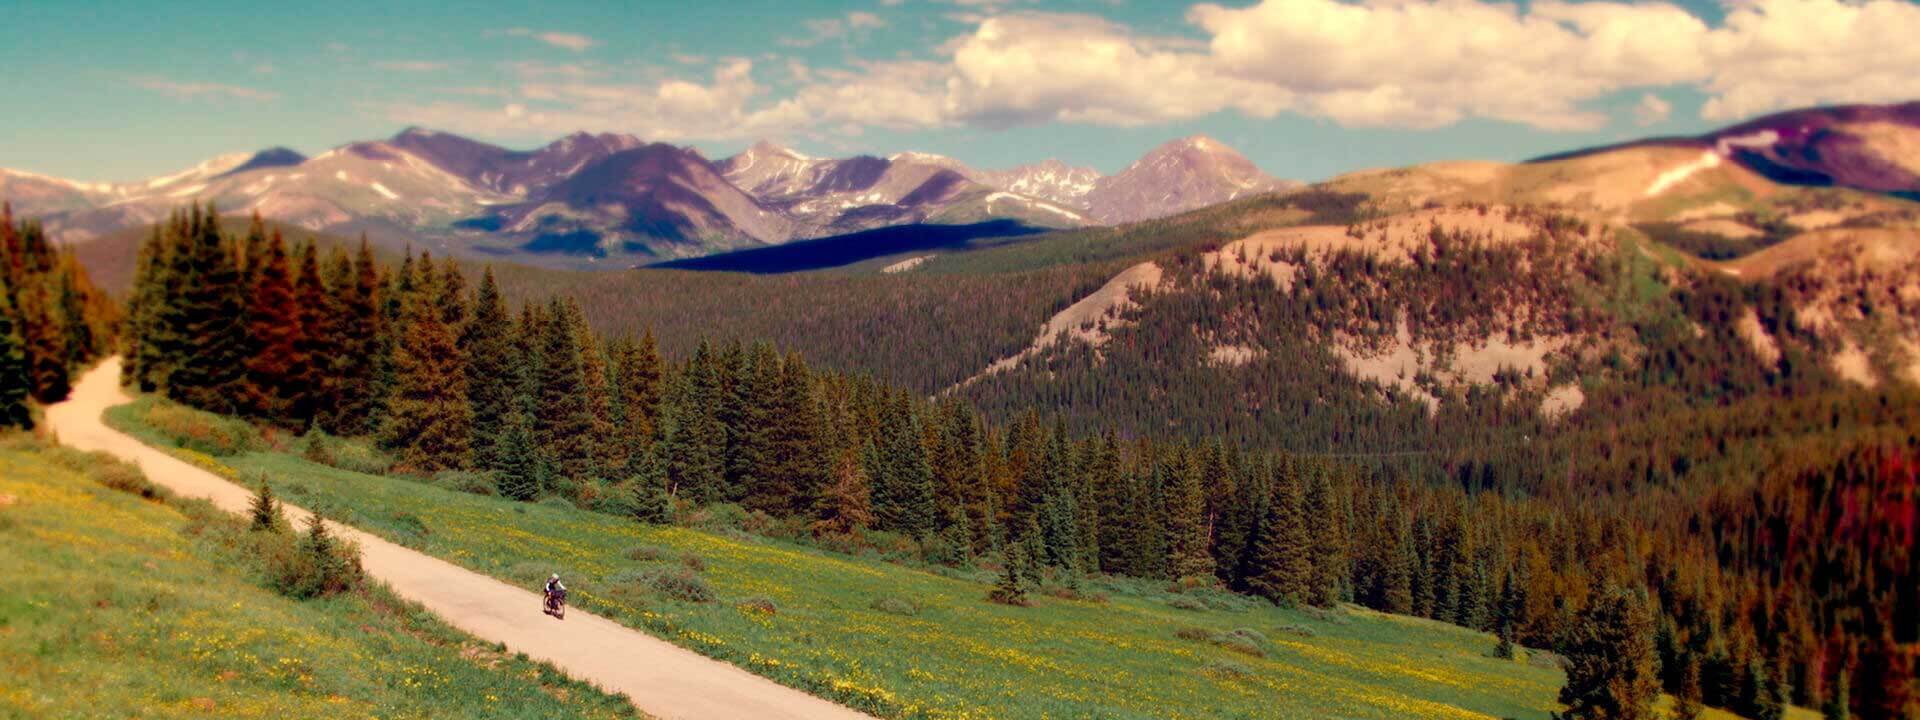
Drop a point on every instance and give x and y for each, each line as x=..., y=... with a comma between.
x=53, y=321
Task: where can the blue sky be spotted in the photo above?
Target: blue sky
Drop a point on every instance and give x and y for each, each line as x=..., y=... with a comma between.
x=1306, y=88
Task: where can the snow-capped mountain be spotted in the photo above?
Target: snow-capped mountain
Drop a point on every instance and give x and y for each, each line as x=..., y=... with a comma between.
x=1176, y=177
x=1050, y=180
x=608, y=195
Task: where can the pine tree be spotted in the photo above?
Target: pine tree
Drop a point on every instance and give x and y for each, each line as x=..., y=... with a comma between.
x=316, y=303
x=596, y=384
x=211, y=314
x=1611, y=668
x=903, y=494
x=428, y=420
x=1282, y=571
x=750, y=396
x=275, y=366
x=648, y=483
x=846, y=503
x=265, y=510
x=1686, y=704
x=358, y=333
x=1188, y=557
x=695, y=439
x=639, y=385
x=146, y=366
x=1326, y=535
x=493, y=387
x=1507, y=620
x=1011, y=590
x=564, y=414
x=15, y=385
x=795, y=469
x=519, y=473
x=1838, y=705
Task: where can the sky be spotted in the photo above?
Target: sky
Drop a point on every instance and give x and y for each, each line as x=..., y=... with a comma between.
x=115, y=91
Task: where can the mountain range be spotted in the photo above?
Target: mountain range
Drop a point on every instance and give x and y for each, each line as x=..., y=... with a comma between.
x=586, y=198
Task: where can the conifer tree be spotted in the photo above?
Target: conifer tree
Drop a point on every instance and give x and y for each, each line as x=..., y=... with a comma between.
x=265, y=509
x=1011, y=589
x=648, y=483
x=597, y=387
x=145, y=364
x=1839, y=702
x=903, y=494
x=276, y=365
x=211, y=319
x=316, y=305
x=428, y=420
x=519, y=473
x=564, y=415
x=795, y=470
x=846, y=503
x=1687, y=701
x=639, y=385
x=696, y=441
x=15, y=385
x=1188, y=556
x=1325, y=528
x=1283, y=572
x=1611, y=668
x=493, y=388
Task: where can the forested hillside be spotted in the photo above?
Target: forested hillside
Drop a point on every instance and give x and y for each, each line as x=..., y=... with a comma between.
x=1465, y=503
x=52, y=320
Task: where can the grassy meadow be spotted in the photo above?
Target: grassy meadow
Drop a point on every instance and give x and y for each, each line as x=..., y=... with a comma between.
x=117, y=606
x=923, y=643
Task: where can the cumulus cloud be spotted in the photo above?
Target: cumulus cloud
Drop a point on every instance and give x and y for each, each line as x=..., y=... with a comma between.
x=205, y=90
x=1027, y=68
x=1773, y=54
x=1549, y=64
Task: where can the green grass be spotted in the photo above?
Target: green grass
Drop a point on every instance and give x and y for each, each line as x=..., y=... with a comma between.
x=954, y=655
x=116, y=606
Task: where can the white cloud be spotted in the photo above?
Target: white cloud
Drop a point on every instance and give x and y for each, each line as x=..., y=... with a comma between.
x=1027, y=68
x=1774, y=54
x=412, y=66
x=564, y=40
x=205, y=90
x=1397, y=63
x=1652, y=110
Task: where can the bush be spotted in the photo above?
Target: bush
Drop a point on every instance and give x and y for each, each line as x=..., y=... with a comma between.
x=124, y=477
x=649, y=553
x=1194, y=634
x=896, y=606
x=720, y=516
x=1296, y=631
x=555, y=501
x=1226, y=670
x=673, y=582
x=315, y=565
x=756, y=606
x=202, y=431
x=1183, y=602
x=466, y=481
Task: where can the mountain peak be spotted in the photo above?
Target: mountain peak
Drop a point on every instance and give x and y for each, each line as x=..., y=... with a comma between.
x=270, y=157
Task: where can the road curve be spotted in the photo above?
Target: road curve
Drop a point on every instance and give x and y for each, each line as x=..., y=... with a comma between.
x=663, y=680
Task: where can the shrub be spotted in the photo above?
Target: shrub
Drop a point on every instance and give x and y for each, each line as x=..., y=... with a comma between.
x=649, y=553
x=1226, y=670
x=758, y=522
x=124, y=477
x=202, y=431
x=756, y=606
x=1194, y=634
x=720, y=516
x=315, y=447
x=679, y=584
x=1183, y=602
x=694, y=562
x=466, y=481
x=555, y=501
x=356, y=455
x=896, y=606
x=316, y=565
x=1246, y=641
x=1296, y=631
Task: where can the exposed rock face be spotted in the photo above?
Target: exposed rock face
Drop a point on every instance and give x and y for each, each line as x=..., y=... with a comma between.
x=1176, y=177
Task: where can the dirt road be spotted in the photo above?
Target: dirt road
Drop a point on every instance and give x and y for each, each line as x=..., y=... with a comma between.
x=663, y=680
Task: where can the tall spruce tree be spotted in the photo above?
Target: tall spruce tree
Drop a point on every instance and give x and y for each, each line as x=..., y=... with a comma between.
x=316, y=306
x=211, y=319
x=903, y=494
x=795, y=469
x=357, y=333
x=15, y=385
x=639, y=385
x=492, y=376
x=695, y=438
x=1612, y=672
x=564, y=415
x=1326, y=525
x=1188, y=555
x=428, y=421
x=276, y=366
x=1282, y=569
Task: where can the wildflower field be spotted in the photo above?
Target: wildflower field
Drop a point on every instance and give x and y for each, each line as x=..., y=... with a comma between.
x=117, y=606
x=923, y=643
